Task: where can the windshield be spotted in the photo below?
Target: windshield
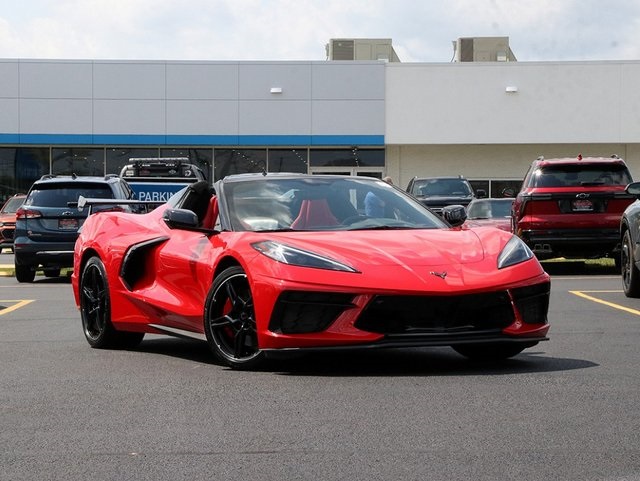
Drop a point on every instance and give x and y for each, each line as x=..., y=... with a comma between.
x=441, y=188
x=489, y=208
x=12, y=205
x=323, y=204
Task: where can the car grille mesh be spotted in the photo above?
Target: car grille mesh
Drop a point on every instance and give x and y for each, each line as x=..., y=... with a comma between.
x=532, y=302
x=304, y=312
x=441, y=314
x=298, y=312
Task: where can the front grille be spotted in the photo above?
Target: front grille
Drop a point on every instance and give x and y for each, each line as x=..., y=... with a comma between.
x=437, y=314
x=298, y=312
x=7, y=234
x=532, y=302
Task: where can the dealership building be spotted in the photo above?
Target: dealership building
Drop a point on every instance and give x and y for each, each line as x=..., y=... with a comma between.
x=360, y=112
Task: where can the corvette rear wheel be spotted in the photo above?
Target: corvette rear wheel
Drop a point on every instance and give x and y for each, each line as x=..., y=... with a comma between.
x=491, y=351
x=229, y=321
x=95, y=310
x=630, y=273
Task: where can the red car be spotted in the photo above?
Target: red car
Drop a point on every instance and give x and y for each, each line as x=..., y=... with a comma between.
x=571, y=207
x=289, y=262
x=8, y=219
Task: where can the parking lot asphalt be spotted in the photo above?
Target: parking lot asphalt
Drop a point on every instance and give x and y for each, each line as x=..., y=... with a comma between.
x=6, y=263
x=565, y=409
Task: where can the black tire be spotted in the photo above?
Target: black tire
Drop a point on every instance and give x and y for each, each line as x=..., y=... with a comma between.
x=491, y=351
x=629, y=271
x=95, y=310
x=25, y=273
x=52, y=272
x=229, y=321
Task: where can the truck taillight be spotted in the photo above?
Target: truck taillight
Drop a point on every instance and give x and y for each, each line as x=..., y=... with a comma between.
x=23, y=213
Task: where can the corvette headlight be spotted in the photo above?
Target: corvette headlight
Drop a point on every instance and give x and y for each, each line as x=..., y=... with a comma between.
x=298, y=257
x=515, y=252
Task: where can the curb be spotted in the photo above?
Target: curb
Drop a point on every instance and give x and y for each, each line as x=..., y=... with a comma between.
x=7, y=270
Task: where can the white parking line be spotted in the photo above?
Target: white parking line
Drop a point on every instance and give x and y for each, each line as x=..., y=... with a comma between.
x=606, y=303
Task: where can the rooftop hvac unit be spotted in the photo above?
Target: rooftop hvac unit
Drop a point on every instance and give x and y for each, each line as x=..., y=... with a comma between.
x=342, y=50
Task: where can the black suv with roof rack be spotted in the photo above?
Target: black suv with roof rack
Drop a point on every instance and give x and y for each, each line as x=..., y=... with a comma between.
x=571, y=207
x=47, y=225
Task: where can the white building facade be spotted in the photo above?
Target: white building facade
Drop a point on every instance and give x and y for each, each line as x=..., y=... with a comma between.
x=483, y=120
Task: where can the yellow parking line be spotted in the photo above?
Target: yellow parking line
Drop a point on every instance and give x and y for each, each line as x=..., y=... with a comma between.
x=18, y=304
x=606, y=303
x=612, y=291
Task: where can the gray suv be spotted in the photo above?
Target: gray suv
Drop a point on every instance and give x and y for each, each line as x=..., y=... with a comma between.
x=47, y=223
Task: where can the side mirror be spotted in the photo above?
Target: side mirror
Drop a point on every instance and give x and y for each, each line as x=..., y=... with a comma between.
x=454, y=214
x=180, y=219
x=634, y=189
x=481, y=193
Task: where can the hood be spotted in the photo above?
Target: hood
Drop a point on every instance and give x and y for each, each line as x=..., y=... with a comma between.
x=445, y=199
x=424, y=247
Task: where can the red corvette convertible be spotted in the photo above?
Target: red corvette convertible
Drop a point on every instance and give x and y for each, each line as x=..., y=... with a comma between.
x=287, y=262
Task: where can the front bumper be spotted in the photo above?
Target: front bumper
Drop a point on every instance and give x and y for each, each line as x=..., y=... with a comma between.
x=312, y=320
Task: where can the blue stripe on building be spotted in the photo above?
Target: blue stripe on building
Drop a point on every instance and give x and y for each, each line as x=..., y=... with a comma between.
x=223, y=140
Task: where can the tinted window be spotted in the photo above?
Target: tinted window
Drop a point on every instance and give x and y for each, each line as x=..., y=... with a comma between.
x=442, y=187
x=580, y=175
x=60, y=194
x=12, y=205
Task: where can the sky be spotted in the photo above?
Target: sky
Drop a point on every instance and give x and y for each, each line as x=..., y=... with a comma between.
x=421, y=30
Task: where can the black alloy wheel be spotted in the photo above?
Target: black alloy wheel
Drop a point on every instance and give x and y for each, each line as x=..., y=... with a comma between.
x=229, y=321
x=629, y=271
x=95, y=310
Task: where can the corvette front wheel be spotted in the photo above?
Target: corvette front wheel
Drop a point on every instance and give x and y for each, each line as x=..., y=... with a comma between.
x=229, y=321
x=95, y=310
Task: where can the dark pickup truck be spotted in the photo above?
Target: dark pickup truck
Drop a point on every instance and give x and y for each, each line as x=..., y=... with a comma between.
x=158, y=178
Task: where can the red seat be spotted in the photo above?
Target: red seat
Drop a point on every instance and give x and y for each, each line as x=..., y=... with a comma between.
x=314, y=213
x=211, y=216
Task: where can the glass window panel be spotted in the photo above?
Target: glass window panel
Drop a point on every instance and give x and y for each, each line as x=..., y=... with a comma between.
x=20, y=167
x=353, y=157
x=203, y=158
x=505, y=188
x=239, y=161
x=480, y=185
x=118, y=157
x=80, y=161
x=288, y=160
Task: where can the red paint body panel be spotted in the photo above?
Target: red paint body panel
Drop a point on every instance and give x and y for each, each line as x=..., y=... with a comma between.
x=176, y=271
